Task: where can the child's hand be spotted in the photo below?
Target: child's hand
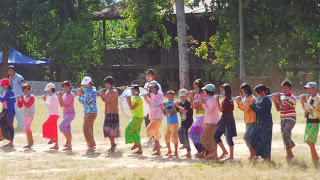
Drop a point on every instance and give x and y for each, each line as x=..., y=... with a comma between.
x=21, y=97
x=238, y=99
x=44, y=97
x=177, y=104
x=18, y=98
x=128, y=98
x=80, y=91
x=201, y=101
x=252, y=101
x=148, y=95
x=59, y=94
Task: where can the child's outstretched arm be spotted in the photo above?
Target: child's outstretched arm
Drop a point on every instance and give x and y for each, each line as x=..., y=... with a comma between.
x=132, y=106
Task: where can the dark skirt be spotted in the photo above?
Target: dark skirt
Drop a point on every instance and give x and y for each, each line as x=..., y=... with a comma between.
x=6, y=125
x=111, y=126
x=260, y=139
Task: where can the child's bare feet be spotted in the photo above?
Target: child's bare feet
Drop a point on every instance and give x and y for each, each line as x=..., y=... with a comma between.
x=138, y=152
x=169, y=153
x=156, y=154
x=223, y=155
x=201, y=155
x=53, y=140
x=56, y=147
x=188, y=154
x=176, y=154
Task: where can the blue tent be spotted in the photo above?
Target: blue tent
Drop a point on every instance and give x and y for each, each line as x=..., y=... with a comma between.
x=16, y=58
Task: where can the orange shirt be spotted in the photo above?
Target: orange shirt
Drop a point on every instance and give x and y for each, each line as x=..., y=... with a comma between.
x=249, y=114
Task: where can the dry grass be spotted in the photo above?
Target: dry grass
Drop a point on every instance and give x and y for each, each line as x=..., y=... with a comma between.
x=40, y=163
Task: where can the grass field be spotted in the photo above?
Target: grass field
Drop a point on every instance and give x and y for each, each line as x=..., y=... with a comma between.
x=40, y=163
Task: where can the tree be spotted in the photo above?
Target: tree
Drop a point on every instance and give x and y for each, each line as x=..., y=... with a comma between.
x=182, y=45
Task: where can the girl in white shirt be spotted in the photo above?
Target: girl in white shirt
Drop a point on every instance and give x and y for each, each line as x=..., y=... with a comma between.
x=49, y=127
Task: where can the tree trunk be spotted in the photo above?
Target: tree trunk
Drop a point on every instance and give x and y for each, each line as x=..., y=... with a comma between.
x=241, y=53
x=5, y=59
x=182, y=45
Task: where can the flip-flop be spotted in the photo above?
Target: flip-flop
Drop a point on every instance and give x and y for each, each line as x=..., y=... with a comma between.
x=223, y=156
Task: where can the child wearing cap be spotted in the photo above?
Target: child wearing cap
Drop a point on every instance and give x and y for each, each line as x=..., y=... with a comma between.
x=7, y=114
x=132, y=132
x=198, y=125
x=227, y=124
x=211, y=119
x=111, y=125
x=155, y=115
x=26, y=102
x=170, y=111
x=88, y=98
x=312, y=113
x=186, y=114
x=150, y=76
x=286, y=104
x=49, y=127
x=66, y=101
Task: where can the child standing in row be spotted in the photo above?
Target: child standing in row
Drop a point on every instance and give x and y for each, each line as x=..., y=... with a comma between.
x=111, y=126
x=26, y=102
x=170, y=111
x=198, y=125
x=227, y=124
x=7, y=114
x=186, y=114
x=49, y=127
x=211, y=119
x=312, y=113
x=66, y=101
x=132, y=133
x=155, y=115
x=88, y=97
x=249, y=115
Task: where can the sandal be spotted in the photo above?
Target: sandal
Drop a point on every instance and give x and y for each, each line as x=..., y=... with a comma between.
x=68, y=147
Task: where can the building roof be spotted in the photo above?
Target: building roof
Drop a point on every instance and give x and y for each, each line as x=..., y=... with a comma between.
x=113, y=11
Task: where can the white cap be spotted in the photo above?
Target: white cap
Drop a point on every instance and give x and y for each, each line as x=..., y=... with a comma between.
x=86, y=80
x=49, y=87
x=182, y=92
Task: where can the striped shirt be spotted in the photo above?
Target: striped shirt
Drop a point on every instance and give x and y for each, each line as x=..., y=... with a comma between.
x=288, y=100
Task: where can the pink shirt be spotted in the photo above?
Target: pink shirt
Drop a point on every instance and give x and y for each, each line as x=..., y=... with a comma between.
x=155, y=112
x=196, y=105
x=52, y=104
x=68, y=100
x=211, y=111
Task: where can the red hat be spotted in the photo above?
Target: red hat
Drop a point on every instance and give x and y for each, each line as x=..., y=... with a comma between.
x=4, y=82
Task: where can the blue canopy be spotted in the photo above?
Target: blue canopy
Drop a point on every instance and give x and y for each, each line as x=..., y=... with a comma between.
x=16, y=58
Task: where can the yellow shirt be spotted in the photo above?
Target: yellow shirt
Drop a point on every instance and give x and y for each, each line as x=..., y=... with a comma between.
x=249, y=114
x=313, y=110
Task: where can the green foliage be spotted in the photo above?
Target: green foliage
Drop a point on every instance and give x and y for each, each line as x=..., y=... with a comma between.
x=118, y=36
x=146, y=20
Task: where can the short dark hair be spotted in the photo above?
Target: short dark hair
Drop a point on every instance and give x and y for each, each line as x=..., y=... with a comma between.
x=150, y=71
x=286, y=83
x=227, y=89
x=26, y=86
x=247, y=88
x=210, y=92
x=200, y=84
x=260, y=88
x=66, y=83
x=11, y=67
x=53, y=90
x=109, y=79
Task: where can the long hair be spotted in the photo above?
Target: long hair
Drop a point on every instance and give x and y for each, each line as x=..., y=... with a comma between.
x=227, y=89
x=200, y=84
x=247, y=88
x=262, y=88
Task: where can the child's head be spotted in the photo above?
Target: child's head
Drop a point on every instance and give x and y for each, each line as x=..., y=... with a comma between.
x=245, y=89
x=153, y=86
x=262, y=90
x=183, y=94
x=170, y=95
x=86, y=81
x=108, y=81
x=11, y=70
x=150, y=75
x=286, y=86
x=135, y=89
x=26, y=88
x=66, y=86
x=209, y=89
x=50, y=88
x=225, y=89
x=5, y=83
x=311, y=87
x=198, y=85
